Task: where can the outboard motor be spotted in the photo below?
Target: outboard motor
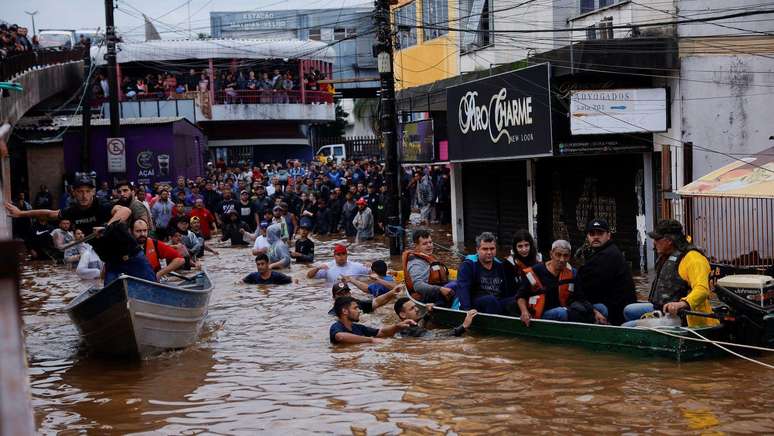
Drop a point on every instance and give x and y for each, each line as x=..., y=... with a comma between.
x=750, y=299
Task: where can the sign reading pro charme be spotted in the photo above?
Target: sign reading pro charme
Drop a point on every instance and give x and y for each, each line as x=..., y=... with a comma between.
x=502, y=116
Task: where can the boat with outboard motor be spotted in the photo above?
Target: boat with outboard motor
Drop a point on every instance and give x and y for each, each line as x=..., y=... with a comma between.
x=671, y=342
x=137, y=317
x=747, y=321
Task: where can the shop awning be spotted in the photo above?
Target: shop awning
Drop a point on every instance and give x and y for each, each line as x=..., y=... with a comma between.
x=749, y=177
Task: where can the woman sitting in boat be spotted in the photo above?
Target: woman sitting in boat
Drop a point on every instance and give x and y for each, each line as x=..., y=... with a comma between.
x=682, y=278
x=524, y=253
x=425, y=276
x=550, y=292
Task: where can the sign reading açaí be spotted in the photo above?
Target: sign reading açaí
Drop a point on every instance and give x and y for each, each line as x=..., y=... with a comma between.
x=502, y=116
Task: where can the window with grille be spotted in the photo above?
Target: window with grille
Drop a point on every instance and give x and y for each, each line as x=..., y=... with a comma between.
x=406, y=22
x=435, y=19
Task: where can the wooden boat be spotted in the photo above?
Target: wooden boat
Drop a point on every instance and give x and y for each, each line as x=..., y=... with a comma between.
x=132, y=316
x=674, y=343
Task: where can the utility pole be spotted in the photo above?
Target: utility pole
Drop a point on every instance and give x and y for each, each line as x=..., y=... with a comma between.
x=32, y=15
x=383, y=49
x=110, y=38
x=86, y=110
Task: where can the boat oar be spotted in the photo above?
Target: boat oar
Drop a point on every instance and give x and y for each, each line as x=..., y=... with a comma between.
x=181, y=276
x=713, y=315
x=80, y=241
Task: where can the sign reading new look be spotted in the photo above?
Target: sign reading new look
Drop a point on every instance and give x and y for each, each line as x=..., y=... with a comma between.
x=503, y=116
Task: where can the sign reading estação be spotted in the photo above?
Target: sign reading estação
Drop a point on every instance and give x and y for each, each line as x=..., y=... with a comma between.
x=502, y=116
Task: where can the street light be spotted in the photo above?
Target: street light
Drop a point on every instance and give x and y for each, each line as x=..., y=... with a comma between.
x=32, y=15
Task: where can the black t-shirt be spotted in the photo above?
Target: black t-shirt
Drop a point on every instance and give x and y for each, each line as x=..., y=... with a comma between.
x=357, y=329
x=96, y=215
x=276, y=278
x=305, y=247
x=225, y=207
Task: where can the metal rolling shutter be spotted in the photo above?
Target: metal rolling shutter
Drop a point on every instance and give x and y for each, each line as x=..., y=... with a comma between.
x=494, y=199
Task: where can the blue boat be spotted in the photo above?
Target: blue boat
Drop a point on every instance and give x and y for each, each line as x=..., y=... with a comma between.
x=136, y=317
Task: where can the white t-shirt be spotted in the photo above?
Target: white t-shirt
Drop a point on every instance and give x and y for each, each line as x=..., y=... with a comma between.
x=334, y=271
x=261, y=242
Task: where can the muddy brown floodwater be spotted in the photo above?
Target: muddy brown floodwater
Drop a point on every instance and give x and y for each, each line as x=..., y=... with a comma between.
x=264, y=365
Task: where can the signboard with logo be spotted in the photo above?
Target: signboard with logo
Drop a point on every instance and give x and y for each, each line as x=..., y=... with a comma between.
x=416, y=142
x=607, y=111
x=501, y=117
x=116, y=155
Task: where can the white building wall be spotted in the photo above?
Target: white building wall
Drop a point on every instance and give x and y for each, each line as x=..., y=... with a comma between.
x=627, y=12
x=510, y=47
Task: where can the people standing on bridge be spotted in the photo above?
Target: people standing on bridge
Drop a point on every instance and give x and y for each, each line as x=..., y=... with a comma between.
x=605, y=277
x=682, y=278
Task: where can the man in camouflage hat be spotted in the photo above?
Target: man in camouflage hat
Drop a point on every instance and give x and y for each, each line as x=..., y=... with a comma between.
x=682, y=278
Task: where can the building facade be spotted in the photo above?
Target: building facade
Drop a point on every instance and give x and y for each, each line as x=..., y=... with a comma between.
x=348, y=30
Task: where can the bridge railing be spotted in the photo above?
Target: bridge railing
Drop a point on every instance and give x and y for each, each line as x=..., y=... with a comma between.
x=20, y=62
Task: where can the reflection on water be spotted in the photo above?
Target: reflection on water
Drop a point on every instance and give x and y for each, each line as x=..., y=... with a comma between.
x=264, y=364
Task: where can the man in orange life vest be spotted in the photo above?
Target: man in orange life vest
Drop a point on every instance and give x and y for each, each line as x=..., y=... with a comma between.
x=550, y=291
x=156, y=250
x=426, y=278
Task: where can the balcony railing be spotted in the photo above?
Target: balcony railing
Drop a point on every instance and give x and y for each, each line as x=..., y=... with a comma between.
x=272, y=96
x=21, y=62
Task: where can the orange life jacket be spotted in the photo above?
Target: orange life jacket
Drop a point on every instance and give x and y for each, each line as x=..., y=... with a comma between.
x=439, y=273
x=151, y=252
x=537, y=302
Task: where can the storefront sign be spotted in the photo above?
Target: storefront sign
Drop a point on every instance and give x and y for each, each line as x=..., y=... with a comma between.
x=116, y=155
x=416, y=143
x=502, y=116
x=618, y=111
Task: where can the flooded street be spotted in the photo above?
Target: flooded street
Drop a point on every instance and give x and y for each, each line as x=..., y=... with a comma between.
x=265, y=365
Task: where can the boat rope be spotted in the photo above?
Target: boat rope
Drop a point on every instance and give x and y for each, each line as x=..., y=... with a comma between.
x=719, y=344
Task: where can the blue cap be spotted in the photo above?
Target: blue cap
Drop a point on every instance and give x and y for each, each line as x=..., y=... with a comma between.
x=264, y=224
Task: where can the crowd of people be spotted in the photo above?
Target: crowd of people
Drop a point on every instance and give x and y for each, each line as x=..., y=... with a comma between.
x=234, y=85
x=14, y=40
x=150, y=232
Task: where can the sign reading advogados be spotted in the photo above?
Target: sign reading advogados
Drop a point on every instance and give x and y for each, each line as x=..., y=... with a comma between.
x=502, y=116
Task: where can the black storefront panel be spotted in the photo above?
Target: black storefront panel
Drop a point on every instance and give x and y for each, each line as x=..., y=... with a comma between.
x=503, y=116
x=572, y=191
x=494, y=199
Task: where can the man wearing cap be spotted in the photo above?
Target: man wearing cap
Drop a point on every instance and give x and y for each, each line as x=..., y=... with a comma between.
x=605, y=277
x=682, y=278
x=261, y=244
x=363, y=221
x=304, y=252
x=85, y=213
x=339, y=267
x=278, y=218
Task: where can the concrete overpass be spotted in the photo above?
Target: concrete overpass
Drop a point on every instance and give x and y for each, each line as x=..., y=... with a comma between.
x=42, y=75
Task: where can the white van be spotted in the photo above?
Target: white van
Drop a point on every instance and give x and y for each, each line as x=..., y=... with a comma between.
x=57, y=38
x=336, y=152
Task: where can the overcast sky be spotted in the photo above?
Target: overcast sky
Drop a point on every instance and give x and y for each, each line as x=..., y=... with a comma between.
x=172, y=15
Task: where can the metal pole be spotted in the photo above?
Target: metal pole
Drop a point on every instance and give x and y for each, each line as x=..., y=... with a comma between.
x=110, y=38
x=32, y=15
x=86, y=111
x=389, y=124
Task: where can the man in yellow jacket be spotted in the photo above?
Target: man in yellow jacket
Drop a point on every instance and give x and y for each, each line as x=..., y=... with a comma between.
x=682, y=278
